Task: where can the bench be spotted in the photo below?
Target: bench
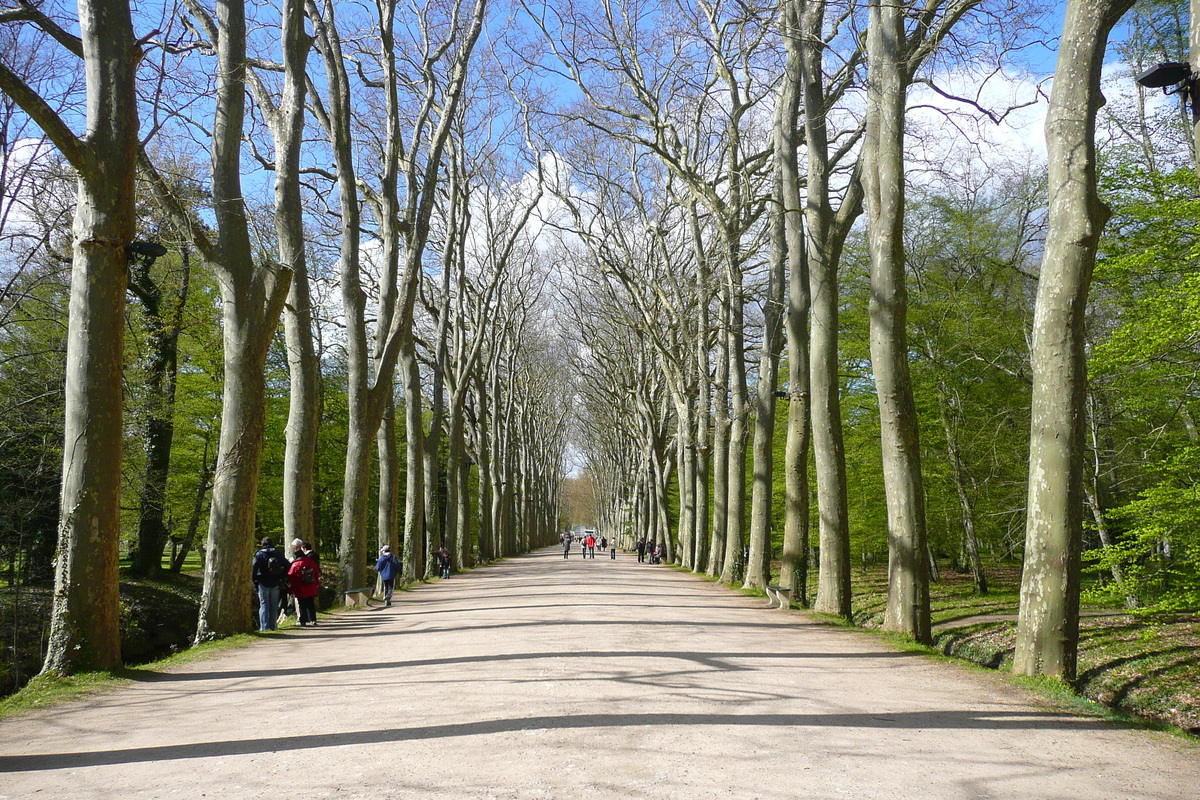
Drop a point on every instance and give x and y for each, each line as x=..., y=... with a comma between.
x=358, y=598
x=777, y=595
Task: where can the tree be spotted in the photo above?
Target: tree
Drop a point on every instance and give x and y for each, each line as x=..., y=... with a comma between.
x=1048, y=626
x=253, y=298
x=794, y=566
x=161, y=370
x=84, y=628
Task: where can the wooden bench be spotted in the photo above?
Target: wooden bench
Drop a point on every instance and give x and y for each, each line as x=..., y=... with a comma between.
x=777, y=595
x=359, y=598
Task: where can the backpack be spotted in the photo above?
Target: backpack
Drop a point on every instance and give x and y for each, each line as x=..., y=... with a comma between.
x=277, y=565
x=308, y=575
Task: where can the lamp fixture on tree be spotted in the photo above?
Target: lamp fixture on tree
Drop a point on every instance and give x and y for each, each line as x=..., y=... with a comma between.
x=146, y=252
x=1174, y=77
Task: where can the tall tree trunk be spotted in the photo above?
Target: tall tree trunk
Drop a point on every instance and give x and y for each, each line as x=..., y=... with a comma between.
x=739, y=408
x=203, y=484
x=304, y=406
x=883, y=183
x=794, y=568
x=84, y=633
x=686, y=479
x=966, y=507
x=456, y=484
x=161, y=371
x=1048, y=624
x=417, y=539
x=483, y=459
x=388, y=504
x=253, y=300
x=430, y=468
x=758, y=567
x=826, y=235
x=720, y=460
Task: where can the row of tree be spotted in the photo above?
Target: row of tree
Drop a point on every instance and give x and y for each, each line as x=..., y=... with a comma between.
x=755, y=157
x=423, y=221
x=592, y=226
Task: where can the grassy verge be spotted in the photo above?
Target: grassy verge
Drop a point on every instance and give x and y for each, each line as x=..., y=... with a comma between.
x=1131, y=668
x=48, y=690
x=1141, y=668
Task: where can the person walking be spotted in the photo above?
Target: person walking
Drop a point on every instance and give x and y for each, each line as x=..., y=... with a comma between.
x=388, y=567
x=443, y=556
x=305, y=578
x=591, y=546
x=641, y=551
x=267, y=570
x=566, y=543
x=603, y=542
x=612, y=549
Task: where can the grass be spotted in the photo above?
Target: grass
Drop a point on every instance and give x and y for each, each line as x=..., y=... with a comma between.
x=1135, y=668
x=47, y=690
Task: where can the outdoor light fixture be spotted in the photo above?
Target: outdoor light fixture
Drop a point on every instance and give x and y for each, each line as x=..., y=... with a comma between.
x=147, y=252
x=1173, y=77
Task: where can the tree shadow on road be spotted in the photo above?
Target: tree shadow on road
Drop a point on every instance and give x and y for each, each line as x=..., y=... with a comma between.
x=914, y=720
x=713, y=661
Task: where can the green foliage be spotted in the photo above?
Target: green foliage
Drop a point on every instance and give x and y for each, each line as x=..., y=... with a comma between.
x=32, y=358
x=1146, y=329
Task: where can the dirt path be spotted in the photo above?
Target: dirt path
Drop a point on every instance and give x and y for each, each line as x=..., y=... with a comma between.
x=539, y=678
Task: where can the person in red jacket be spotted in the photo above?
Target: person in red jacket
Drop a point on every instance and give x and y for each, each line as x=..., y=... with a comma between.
x=591, y=546
x=304, y=578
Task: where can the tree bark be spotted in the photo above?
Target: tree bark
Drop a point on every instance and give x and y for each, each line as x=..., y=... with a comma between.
x=758, y=567
x=1048, y=624
x=416, y=538
x=84, y=632
x=304, y=405
x=253, y=300
x=883, y=182
x=823, y=247
x=794, y=568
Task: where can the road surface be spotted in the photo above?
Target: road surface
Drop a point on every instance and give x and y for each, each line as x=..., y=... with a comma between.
x=544, y=678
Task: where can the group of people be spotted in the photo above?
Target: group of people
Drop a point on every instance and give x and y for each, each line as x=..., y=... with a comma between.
x=276, y=577
x=588, y=545
x=649, y=550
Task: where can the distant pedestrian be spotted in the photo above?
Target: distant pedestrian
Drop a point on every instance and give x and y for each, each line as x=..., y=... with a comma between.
x=603, y=543
x=388, y=567
x=658, y=554
x=612, y=549
x=566, y=543
x=443, y=556
x=267, y=570
x=641, y=551
x=305, y=578
x=591, y=546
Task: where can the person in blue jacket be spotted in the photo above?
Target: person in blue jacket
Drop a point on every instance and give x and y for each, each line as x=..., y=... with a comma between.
x=388, y=567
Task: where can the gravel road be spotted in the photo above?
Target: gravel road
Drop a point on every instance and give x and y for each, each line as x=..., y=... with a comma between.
x=544, y=678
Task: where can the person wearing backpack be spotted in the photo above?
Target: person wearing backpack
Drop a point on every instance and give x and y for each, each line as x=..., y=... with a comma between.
x=305, y=580
x=388, y=567
x=268, y=570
